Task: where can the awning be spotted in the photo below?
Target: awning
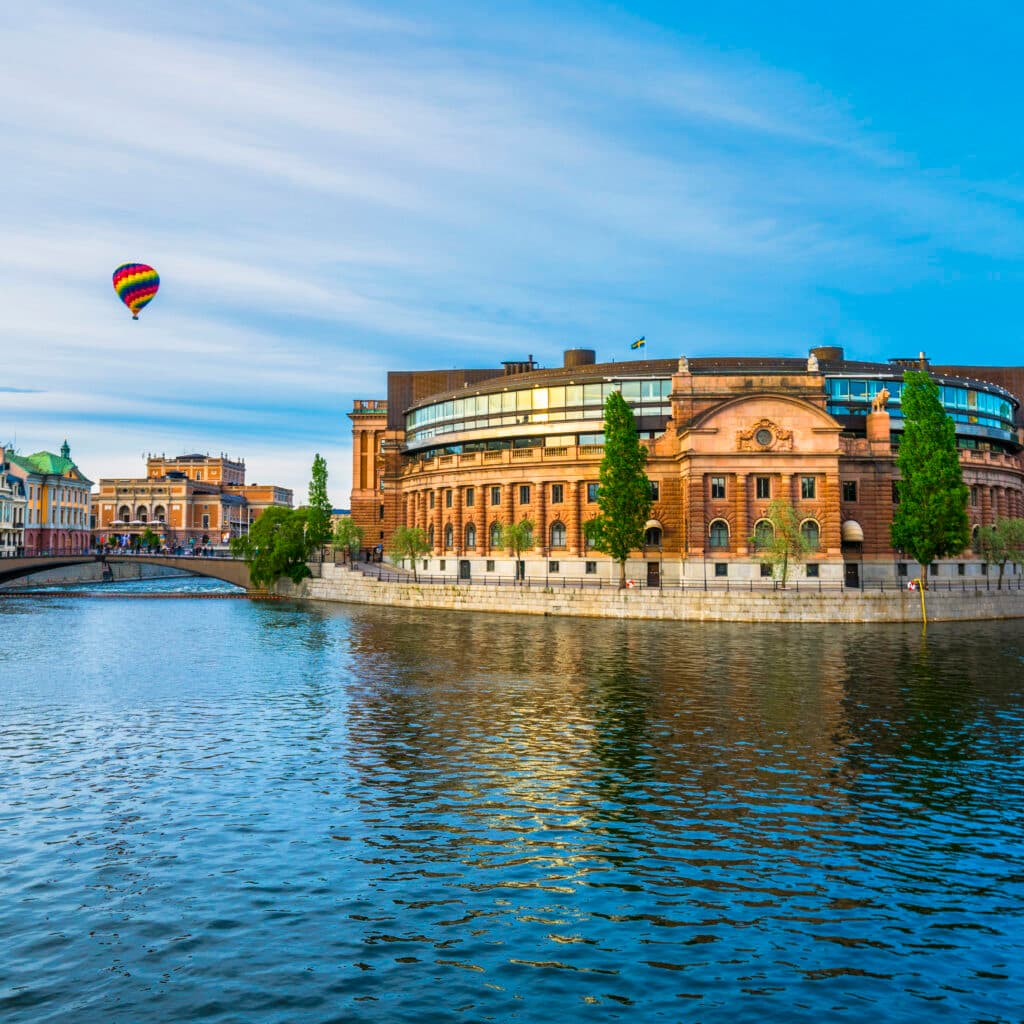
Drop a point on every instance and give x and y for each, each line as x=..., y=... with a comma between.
x=653, y=524
x=852, y=532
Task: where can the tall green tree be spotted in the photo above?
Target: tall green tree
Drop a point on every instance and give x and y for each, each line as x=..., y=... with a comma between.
x=624, y=492
x=931, y=518
x=348, y=535
x=409, y=542
x=318, y=525
x=517, y=538
x=784, y=542
x=1002, y=543
x=276, y=546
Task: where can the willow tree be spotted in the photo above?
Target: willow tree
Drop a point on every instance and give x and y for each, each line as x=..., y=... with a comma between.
x=931, y=518
x=624, y=492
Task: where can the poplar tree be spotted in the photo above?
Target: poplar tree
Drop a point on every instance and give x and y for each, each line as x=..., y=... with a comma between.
x=318, y=525
x=931, y=518
x=624, y=492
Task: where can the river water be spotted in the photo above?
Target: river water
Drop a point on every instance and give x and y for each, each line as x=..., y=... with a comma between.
x=231, y=811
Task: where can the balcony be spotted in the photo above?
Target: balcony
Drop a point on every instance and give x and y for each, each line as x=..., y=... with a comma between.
x=505, y=456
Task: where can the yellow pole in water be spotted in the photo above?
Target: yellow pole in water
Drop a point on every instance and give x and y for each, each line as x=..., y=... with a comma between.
x=924, y=614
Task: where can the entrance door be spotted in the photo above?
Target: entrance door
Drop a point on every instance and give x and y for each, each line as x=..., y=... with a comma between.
x=653, y=574
x=464, y=569
x=852, y=574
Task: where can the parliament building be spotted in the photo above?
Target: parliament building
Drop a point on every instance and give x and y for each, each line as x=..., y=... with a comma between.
x=459, y=453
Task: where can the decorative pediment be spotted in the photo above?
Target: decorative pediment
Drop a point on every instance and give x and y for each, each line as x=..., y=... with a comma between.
x=764, y=436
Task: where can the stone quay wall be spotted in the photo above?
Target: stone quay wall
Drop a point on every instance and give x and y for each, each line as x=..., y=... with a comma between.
x=339, y=583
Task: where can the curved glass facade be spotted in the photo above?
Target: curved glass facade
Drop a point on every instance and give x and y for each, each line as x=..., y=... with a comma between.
x=974, y=407
x=518, y=406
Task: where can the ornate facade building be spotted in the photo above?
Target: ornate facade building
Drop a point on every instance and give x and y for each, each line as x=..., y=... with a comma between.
x=461, y=452
x=188, y=501
x=58, y=503
x=13, y=509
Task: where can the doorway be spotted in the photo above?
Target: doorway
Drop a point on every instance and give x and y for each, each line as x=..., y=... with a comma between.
x=653, y=574
x=464, y=569
x=852, y=574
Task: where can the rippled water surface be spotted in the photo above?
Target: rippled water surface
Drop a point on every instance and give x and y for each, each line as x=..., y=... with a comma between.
x=229, y=811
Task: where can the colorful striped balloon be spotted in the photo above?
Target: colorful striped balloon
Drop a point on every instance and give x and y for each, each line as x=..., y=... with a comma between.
x=136, y=284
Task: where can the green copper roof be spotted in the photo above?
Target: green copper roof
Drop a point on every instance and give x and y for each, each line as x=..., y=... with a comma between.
x=49, y=465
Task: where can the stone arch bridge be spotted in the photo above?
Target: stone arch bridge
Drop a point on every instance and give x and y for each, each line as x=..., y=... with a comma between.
x=231, y=570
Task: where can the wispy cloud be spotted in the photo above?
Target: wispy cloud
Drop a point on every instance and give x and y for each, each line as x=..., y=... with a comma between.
x=332, y=190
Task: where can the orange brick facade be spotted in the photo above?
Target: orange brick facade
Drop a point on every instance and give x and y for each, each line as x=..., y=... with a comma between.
x=728, y=437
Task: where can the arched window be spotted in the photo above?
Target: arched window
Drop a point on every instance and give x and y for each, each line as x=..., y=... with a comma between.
x=449, y=535
x=719, y=534
x=430, y=534
x=764, y=535
x=976, y=539
x=124, y=513
x=470, y=535
x=141, y=514
x=159, y=514
x=558, y=535
x=495, y=534
x=811, y=533
x=652, y=538
x=528, y=536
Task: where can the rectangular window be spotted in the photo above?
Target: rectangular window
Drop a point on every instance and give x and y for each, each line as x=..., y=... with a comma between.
x=764, y=487
x=552, y=567
x=495, y=495
x=718, y=487
x=812, y=570
x=592, y=492
x=490, y=565
x=447, y=499
x=441, y=564
x=470, y=497
x=807, y=487
x=655, y=490
x=933, y=569
x=206, y=522
x=895, y=492
x=380, y=513
x=524, y=494
x=849, y=490
x=425, y=563
x=974, y=497
x=901, y=568
x=961, y=569
x=556, y=494
x=431, y=499
x=590, y=568
x=721, y=568
x=766, y=569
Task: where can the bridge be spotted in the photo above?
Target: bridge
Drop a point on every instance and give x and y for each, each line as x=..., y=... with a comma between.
x=231, y=570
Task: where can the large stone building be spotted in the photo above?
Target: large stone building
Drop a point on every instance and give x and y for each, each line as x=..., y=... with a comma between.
x=189, y=501
x=460, y=452
x=58, y=505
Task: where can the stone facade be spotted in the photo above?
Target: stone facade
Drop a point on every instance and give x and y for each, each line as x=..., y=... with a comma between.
x=724, y=438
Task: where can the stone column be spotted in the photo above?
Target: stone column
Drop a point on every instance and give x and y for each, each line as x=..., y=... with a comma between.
x=986, y=506
x=510, y=506
x=830, y=538
x=439, y=520
x=696, y=515
x=540, y=494
x=742, y=513
x=574, y=521
x=457, y=537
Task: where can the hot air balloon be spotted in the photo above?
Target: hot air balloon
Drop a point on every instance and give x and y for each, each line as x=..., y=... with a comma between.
x=136, y=284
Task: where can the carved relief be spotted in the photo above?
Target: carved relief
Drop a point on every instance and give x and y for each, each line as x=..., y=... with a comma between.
x=764, y=436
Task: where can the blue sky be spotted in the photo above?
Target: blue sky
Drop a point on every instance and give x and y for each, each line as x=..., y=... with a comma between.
x=333, y=190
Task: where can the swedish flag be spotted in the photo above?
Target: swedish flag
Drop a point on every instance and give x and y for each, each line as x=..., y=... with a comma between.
x=639, y=343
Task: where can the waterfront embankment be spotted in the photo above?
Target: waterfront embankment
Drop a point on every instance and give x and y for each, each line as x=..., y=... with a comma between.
x=340, y=583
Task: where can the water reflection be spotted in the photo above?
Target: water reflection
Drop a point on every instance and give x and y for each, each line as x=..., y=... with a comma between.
x=328, y=813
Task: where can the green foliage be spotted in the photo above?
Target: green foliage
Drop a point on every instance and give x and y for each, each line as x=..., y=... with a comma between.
x=348, y=535
x=276, y=546
x=931, y=518
x=148, y=539
x=517, y=537
x=624, y=494
x=784, y=542
x=409, y=542
x=1002, y=542
x=318, y=524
